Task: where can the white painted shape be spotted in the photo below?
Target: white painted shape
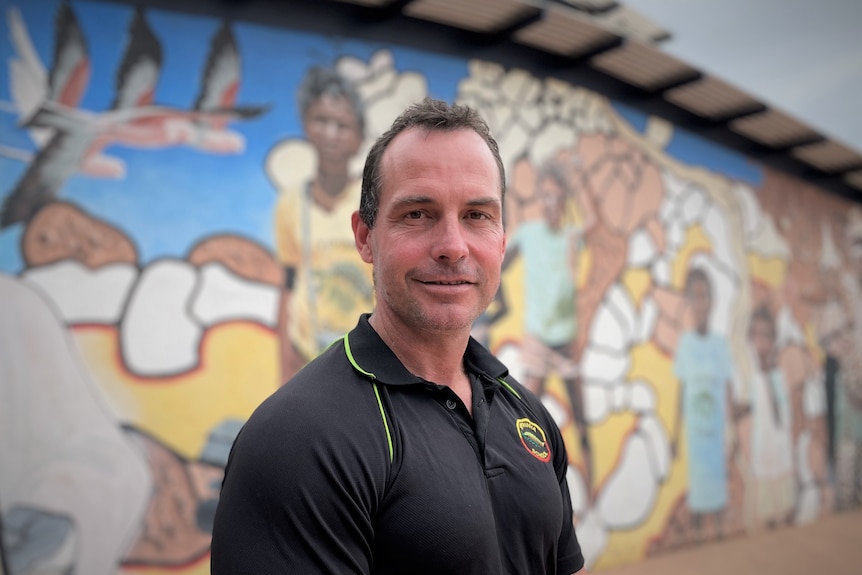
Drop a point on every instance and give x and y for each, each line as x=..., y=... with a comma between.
x=512, y=143
x=510, y=355
x=661, y=272
x=577, y=490
x=769, y=242
x=643, y=397
x=603, y=365
x=82, y=295
x=717, y=229
x=224, y=296
x=675, y=235
x=752, y=218
x=642, y=249
x=630, y=492
x=803, y=444
x=158, y=337
x=622, y=303
x=693, y=207
x=607, y=330
x=674, y=186
x=620, y=395
x=647, y=321
x=807, y=505
x=788, y=331
x=63, y=450
x=558, y=413
x=593, y=537
x=597, y=404
x=813, y=397
x=829, y=256
x=532, y=117
x=552, y=138
x=659, y=446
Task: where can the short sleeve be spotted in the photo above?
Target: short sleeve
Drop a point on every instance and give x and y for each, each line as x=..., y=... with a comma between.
x=288, y=243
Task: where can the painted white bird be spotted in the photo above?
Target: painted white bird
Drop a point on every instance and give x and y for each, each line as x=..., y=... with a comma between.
x=72, y=139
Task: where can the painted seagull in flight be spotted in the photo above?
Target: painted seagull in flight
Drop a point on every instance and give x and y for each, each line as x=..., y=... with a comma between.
x=72, y=140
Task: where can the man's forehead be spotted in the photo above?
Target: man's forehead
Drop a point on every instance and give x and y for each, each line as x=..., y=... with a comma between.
x=395, y=154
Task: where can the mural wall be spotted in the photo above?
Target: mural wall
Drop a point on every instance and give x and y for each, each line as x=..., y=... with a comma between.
x=175, y=243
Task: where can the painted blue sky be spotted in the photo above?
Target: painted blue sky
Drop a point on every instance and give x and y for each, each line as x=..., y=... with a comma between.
x=171, y=198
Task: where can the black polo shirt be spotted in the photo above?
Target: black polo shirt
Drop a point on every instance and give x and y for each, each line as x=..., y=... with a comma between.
x=358, y=466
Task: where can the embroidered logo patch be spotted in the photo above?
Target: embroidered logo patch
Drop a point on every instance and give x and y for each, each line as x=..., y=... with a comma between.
x=533, y=439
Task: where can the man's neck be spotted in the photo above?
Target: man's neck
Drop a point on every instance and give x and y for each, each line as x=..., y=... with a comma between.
x=435, y=357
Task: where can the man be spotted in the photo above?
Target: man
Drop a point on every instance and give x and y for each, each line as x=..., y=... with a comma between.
x=551, y=247
x=405, y=447
x=327, y=282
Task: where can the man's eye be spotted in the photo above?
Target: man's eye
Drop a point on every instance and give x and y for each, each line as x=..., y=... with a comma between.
x=414, y=215
x=477, y=216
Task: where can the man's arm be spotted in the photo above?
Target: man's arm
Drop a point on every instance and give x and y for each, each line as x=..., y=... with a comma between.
x=289, y=503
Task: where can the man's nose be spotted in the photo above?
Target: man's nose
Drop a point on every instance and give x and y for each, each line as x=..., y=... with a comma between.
x=449, y=242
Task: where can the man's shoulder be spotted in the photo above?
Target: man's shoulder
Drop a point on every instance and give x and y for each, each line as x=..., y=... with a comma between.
x=323, y=390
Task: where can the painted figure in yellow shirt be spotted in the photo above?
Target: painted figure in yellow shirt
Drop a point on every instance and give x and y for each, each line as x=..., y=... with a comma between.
x=327, y=282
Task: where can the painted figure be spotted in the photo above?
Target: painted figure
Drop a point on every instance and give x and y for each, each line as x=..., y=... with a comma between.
x=551, y=247
x=771, y=428
x=848, y=393
x=326, y=280
x=703, y=365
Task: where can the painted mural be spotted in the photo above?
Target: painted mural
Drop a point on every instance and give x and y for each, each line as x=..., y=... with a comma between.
x=175, y=243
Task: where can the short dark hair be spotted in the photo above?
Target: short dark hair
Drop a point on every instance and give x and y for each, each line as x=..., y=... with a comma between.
x=430, y=115
x=328, y=81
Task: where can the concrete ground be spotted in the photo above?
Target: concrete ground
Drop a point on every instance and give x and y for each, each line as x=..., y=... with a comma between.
x=828, y=546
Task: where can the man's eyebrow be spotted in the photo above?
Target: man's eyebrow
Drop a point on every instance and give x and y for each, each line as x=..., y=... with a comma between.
x=486, y=201
x=407, y=201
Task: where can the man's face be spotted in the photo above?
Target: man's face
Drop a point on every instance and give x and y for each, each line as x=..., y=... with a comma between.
x=333, y=129
x=438, y=242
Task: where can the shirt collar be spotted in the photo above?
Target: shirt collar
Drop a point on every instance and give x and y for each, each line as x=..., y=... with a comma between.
x=370, y=355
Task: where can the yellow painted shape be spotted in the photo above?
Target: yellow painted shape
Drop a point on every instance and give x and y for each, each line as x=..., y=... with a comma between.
x=624, y=547
x=769, y=271
x=199, y=567
x=238, y=370
x=813, y=342
x=510, y=327
x=695, y=241
x=585, y=262
x=637, y=282
x=607, y=439
x=650, y=365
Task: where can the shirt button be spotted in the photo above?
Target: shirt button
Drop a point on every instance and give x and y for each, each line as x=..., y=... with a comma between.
x=450, y=403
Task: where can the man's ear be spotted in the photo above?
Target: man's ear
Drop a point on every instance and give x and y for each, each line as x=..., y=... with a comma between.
x=361, y=235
